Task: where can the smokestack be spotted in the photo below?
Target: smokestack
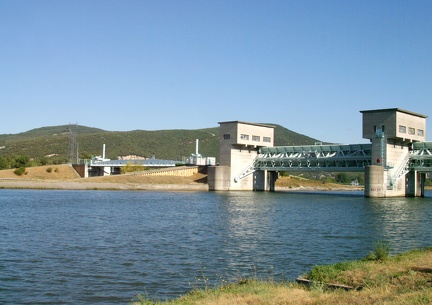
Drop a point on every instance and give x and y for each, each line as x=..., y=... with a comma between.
x=103, y=152
x=196, y=149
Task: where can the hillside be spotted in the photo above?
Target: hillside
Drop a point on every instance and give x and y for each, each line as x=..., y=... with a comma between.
x=163, y=144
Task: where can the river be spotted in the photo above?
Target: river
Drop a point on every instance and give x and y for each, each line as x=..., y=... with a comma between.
x=90, y=247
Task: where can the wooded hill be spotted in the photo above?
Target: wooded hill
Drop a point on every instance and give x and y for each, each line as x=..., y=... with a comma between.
x=53, y=142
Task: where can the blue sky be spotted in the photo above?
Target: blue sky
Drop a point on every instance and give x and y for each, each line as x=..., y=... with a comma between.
x=309, y=66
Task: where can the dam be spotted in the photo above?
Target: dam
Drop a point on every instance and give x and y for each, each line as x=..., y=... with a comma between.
x=394, y=162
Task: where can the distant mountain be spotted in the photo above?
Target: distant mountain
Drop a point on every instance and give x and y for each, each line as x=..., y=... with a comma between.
x=163, y=144
x=50, y=131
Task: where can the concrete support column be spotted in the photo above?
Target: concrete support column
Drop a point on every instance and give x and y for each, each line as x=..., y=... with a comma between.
x=264, y=180
x=218, y=178
x=375, y=184
x=411, y=184
x=415, y=184
x=422, y=184
x=272, y=177
x=260, y=180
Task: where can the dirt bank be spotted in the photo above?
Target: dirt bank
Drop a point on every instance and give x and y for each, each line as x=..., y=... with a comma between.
x=65, y=177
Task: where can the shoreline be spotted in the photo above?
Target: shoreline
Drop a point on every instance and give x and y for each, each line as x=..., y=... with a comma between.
x=90, y=185
x=16, y=183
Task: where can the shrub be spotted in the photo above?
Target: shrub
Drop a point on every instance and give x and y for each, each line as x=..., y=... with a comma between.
x=325, y=273
x=20, y=171
x=381, y=251
x=49, y=170
x=130, y=167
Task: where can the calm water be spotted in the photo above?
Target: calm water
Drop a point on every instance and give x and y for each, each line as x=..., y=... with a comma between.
x=88, y=247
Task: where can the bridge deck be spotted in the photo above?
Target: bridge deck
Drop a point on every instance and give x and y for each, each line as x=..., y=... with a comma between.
x=348, y=157
x=333, y=158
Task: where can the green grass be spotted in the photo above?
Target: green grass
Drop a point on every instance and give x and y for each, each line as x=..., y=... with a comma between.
x=401, y=279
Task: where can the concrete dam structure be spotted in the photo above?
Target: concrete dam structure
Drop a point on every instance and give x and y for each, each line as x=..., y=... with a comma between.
x=395, y=162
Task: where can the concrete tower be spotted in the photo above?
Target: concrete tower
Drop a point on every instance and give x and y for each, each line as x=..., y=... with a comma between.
x=392, y=132
x=239, y=146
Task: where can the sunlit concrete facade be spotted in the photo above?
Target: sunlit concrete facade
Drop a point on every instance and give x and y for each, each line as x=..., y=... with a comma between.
x=391, y=132
x=239, y=146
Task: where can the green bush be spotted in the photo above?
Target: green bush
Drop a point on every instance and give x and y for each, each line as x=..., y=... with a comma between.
x=22, y=161
x=381, y=251
x=325, y=273
x=49, y=170
x=129, y=168
x=20, y=171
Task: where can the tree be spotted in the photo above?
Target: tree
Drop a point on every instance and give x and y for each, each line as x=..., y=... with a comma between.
x=4, y=163
x=22, y=161
x=342, y=178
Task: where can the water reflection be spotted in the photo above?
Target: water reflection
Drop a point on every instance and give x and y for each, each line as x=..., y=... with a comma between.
x=403, y=221
x=90, y=247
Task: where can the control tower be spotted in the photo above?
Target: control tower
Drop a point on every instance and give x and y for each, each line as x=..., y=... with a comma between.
x=239, y=146
x=392, y=133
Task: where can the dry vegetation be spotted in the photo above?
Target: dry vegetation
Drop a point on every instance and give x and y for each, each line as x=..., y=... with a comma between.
x=298, y=183
x=66, y=177
x=66, y=174
x=57, y=172
x=402, y=279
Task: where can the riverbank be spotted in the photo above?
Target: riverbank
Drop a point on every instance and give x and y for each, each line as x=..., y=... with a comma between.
x=64, y=177
x=402, y=279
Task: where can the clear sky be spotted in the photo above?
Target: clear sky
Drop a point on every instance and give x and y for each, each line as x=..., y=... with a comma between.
x=309, y=66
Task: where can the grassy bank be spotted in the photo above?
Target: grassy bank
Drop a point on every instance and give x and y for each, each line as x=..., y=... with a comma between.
x=377, y=279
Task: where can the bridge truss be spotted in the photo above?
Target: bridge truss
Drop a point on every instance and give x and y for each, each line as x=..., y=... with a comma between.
x=421, y=157
x=327, y=158
x=335, y=158
x=315, y=157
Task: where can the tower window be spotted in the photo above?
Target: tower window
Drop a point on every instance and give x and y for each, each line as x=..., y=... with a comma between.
x=411, y=131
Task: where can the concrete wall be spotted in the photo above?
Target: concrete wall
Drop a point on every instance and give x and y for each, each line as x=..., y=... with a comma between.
x=243, y=158
x=415, y=127
x=390, y=122
x=218, y=178
x=374, y=177
x=395, y=154
x=181, y=171
x=81, y=169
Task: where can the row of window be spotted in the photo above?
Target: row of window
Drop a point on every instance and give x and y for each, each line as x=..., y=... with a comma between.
x=402, y=129
x=255, y=138
x=246, y=137
x=411, y=130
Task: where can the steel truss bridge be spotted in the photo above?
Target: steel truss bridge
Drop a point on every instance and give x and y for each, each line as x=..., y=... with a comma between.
x=421, y=157
x=335, y=158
